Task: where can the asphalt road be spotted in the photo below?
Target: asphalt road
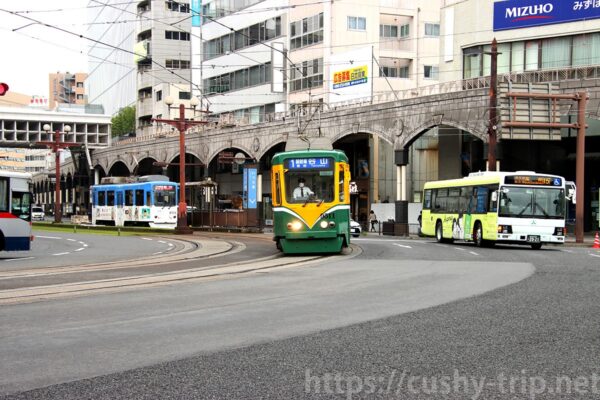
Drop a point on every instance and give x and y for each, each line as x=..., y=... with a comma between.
x=405, y=319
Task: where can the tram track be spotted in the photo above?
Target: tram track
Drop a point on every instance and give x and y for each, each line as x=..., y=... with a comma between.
x=222, y=271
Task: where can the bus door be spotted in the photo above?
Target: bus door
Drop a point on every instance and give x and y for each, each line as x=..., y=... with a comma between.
x=119, y=211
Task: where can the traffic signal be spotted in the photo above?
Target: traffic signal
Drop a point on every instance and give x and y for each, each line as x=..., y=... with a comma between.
x=3, y=89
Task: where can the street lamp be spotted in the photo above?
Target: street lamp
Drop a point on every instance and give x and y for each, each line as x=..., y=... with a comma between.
x=56, y=146
x=182, y=126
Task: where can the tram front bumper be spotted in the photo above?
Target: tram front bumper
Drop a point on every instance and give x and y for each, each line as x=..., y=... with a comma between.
x=311, y=235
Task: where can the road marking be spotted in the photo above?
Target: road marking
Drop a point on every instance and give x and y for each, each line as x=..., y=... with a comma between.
x=61, y=254
x=458, y=248
x=19, y=259
x=84, y=244
x=472, y=252
x=71, y=240
x=402, y=245
x=415, y=241
x=170, y=244
x=48, y=237
x=595, y=255
x=162, y=241
x=145, y=238
x=157, y=253
x=566, y=251
x=80, y=249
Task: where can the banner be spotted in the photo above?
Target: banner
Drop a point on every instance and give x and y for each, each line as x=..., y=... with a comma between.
x=526, y=13
x=350, y=77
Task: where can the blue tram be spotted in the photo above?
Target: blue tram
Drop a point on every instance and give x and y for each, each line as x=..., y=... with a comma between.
x=151, y=201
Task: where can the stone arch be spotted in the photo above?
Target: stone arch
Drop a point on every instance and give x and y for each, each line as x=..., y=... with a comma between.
x=214, y=154
x=146, y=166
x=119, y=168
x=193, y=171
x=268, y=148
x=348, y=132
x=171, y=158
x=407, y=139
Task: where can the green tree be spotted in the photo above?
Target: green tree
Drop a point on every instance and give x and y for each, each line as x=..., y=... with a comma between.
x=124, y=121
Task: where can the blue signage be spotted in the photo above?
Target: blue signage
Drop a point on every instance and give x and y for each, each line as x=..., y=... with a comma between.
x=513, y=14
x=309, y=163
x=196, y=10
x=250, y=179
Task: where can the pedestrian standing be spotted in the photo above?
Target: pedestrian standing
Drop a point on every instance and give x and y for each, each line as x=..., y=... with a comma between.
x=372, y=220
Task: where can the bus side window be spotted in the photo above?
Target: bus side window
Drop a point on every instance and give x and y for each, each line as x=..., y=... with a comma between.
x=480, y=197
x=465, y=196
x=119, y=196
x=493, y=199
x=102, y=198
x=148, y=198
x=341, y=183
x=139, y=197
x=4, y=194
x=427, y=200
x=110, y=198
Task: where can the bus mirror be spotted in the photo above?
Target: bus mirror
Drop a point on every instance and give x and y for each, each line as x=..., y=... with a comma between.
x=495, y=196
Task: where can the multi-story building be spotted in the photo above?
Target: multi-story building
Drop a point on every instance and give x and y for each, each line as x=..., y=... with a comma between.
x=111, y=79
x=163, y=58
x=67, y=88
x=24, y=160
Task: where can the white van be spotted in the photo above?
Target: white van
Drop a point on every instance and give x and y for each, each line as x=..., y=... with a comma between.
x=37, y=213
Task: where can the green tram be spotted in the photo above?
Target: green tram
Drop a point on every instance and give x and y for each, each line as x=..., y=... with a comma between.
x=311, y=201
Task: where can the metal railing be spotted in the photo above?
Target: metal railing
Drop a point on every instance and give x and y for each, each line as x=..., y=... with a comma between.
x=538, y=76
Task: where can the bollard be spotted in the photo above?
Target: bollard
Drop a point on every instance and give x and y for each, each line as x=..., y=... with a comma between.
x=119, y=232
x=74, y=228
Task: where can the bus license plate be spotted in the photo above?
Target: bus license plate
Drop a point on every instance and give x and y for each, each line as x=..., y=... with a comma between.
x=533, y=239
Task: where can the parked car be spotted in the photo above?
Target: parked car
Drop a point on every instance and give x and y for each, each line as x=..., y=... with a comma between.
x=37, y=213
x=355, y=228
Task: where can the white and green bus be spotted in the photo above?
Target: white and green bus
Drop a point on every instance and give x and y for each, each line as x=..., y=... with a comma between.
x=496, y=207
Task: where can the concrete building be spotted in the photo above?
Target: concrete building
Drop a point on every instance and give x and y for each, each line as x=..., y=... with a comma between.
x=111, y=79
x=13, y=99
x=66, y=88
x=163, y=58
x=24, y=160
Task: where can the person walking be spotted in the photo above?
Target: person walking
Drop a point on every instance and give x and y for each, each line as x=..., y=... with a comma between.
x=372, y=220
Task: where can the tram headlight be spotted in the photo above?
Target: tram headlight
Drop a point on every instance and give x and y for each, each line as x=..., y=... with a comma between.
x=294, y=226
x=332, y=224
x=324, y=224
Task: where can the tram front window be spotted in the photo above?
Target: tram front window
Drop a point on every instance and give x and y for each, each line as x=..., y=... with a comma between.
x=310, y=187
x=164, y=196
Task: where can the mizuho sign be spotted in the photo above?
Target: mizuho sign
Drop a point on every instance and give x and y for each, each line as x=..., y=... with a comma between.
x=526, y=13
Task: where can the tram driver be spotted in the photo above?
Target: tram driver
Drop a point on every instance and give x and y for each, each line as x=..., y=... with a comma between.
x=302, y=192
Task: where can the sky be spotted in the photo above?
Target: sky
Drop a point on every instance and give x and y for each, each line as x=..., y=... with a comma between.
x=32, y=52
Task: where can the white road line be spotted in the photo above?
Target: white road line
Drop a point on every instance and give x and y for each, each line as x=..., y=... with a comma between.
x=71, y=240
x=566, y=251
x=415, y=241
x=162, y=241
x=401, y=245
x=472, y=252
x=84, y=244
x=458, y=248
x=61, y=254
x=145, y=238
x=595, y=255
x=157, y=253
x=19, y=259
x=81, y=242
x=170, y=244
x=80, y=249
x=48, y=237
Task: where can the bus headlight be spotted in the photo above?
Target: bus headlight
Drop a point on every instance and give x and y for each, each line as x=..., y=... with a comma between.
x=294, y=226
x=559, y=232
x=324, y=224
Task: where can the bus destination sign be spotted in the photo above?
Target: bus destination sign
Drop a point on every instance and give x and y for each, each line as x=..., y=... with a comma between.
x=533, y=180
x=309, y=163
x=164, y=187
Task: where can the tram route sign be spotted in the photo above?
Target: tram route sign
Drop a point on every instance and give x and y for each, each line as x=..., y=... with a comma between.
x=250, y=178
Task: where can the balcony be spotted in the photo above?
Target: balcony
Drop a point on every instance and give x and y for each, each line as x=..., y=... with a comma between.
x=396, y=48
x=145, y=106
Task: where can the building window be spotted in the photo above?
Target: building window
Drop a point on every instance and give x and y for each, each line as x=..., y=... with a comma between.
x=357, y=23
x=405, y=31
x=308, y=74
x=390, y=72
x=257, y=33
x=388, y=31
x=177, y=64
x=177, y=7
x=243, y=78
x=403, y=72
x=306, y=32
x=79, y=97
x=158, y=95
x=432, y=29
x=176, y=35
x=185, y=95
x=79, y=84
x=430, y=72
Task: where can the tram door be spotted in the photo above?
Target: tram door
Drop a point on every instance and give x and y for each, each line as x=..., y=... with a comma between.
x=119, y=212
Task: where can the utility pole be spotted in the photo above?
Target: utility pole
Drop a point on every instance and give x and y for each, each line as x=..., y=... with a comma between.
x=581, y=98
x=492, y=123
x=56, y=146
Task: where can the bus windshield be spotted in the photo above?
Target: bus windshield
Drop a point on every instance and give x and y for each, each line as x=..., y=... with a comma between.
x=532, y=202
x=164, y=196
